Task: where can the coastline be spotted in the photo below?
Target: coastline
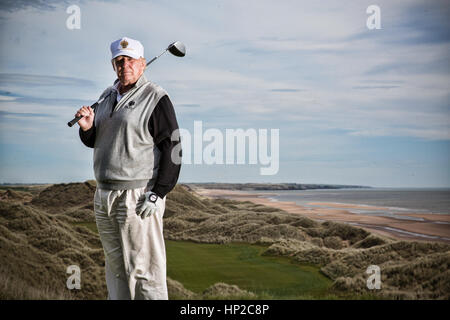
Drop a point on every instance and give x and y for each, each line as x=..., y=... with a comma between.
x=402, y=226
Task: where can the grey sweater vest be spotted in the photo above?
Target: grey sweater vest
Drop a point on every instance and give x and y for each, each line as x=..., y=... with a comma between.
x=125, y=155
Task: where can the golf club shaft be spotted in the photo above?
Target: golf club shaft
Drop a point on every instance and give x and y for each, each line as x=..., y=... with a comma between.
x=179, y=51
x=155, y=58
x=76, y=119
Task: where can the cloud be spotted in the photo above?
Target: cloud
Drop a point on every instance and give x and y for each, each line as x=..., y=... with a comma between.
x=374, y=87
x=42, y=80
x=188, y=105
x=311, y=69
x=7, y=98
x=427, y=24
x=24, y=115
x=421, y=133
x=47, y=89
x=286, y=90
x=15, y=5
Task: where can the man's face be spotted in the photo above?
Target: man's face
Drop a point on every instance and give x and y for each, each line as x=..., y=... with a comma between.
x=128, y=70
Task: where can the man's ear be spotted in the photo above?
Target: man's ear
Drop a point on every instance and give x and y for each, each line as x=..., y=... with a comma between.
x=113, y=65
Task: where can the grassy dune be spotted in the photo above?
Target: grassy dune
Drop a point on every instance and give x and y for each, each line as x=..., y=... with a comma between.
x=38, y=243
x=216, y=249
x=409, y=269
x=198, y=266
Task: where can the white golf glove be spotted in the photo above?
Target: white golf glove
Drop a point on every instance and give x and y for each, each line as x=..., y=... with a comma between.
x=147, y=206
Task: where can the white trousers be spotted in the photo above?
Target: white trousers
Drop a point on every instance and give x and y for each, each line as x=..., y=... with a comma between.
x=135, y=254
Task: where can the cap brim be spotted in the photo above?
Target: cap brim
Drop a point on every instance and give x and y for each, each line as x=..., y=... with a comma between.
x=125, y=53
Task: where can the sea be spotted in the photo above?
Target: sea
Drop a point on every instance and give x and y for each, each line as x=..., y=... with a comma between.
x=393, y=200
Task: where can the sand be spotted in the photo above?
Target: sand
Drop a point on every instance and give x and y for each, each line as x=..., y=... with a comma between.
x=425, y=227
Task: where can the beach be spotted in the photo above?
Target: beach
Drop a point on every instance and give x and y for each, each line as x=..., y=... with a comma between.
x=402, y=226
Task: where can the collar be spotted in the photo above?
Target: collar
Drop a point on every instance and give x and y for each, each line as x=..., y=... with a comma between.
x=142, y=80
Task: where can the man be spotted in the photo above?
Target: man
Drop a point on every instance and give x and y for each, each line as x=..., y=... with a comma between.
x=131, y=135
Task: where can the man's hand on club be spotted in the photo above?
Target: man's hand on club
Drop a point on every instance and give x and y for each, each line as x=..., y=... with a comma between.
x=88, y=117
x=146, y=205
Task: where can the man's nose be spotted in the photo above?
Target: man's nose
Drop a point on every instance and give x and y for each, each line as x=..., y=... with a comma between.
x=127, y=63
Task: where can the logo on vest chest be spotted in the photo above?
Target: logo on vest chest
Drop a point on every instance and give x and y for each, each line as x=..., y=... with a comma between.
x=119, y=109
x=130, y=105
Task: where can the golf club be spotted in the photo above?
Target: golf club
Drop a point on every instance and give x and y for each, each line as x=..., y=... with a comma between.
x=176, y=48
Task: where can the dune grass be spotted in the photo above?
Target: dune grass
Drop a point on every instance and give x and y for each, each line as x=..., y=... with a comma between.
x=199, y=266
x=90, y=225
x=43, y=229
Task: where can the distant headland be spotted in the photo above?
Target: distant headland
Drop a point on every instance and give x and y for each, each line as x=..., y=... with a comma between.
x=269, y=186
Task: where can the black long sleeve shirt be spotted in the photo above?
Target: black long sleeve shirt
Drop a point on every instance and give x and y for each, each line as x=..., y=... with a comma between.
x=161, y=125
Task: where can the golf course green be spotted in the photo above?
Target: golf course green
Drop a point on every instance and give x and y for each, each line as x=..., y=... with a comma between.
x=198, y=266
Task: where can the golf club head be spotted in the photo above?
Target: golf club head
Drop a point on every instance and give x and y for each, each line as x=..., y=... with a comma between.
x=177, y=49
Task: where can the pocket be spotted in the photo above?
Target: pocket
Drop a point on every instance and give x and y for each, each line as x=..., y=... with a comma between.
x=161, y=205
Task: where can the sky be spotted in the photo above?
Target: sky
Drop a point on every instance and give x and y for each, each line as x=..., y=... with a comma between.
x=351, y=104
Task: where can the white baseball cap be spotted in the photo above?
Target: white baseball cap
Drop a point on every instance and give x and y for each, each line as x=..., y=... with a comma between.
x=127, y=47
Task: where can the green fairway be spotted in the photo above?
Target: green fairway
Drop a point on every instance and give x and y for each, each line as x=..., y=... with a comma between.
x=198, y=266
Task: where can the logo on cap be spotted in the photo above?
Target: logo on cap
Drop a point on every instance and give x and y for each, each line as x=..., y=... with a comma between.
x=124, y=44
